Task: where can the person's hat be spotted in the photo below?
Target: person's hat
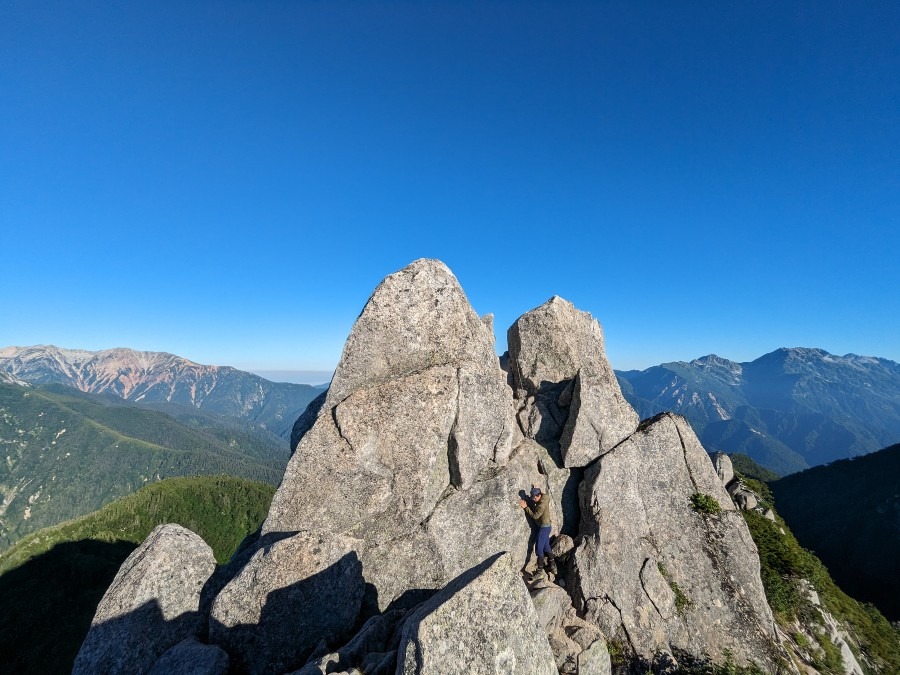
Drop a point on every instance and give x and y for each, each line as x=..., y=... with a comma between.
x=535, y=491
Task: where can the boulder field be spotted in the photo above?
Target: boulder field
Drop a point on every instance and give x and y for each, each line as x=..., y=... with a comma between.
x=396, y=542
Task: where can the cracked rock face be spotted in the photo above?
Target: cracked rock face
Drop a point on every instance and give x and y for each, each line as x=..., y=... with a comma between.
x=152, y=604
x=482, y=623
x=654, y=572
x=408, y=451
x=549, y=347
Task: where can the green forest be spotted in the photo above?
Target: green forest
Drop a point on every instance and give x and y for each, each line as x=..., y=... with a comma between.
x=785, y=566
x=66, y=454
x=848, y=512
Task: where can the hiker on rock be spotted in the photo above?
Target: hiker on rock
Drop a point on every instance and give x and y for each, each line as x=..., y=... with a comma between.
x=540, y=514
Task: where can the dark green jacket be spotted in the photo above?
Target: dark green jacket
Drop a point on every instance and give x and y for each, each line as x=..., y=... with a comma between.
x=541, y=511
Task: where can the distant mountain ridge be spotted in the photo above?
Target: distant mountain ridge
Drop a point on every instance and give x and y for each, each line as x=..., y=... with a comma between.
x=67, y=453
x=790, y=409
x=153, y=377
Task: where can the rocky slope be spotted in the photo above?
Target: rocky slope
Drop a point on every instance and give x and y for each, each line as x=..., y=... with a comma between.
x=788, y=410
x=824, y=629
x=396, y=543
x=156, y=377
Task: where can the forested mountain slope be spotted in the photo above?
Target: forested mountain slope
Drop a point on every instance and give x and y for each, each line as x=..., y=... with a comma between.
x=849, y=513
x=65, y=454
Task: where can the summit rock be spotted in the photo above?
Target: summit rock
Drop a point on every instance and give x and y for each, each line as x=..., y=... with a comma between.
x=572, y=397
x=410, y=442
x=417, y=318
x=399, y=519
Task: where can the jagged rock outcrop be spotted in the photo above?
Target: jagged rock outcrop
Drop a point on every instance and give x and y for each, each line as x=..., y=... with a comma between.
x=410, y=442
x=152, y=604
x=724, y=468
x=481, y=622
x=657, y=574
x=549, y=346
x=417, y=318
x=289, y=596
x=398, y=511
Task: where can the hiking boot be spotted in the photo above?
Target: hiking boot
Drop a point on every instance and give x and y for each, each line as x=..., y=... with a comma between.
x=551, y=565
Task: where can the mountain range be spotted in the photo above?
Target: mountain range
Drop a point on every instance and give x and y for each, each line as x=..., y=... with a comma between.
x=162, y=380
x=789, y=410
x=400, y=539
x=66, y=453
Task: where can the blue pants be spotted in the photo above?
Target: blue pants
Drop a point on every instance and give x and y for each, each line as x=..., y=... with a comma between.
x=543, y=541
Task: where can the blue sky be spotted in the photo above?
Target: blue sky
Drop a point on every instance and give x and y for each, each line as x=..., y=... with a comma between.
x=228, y=181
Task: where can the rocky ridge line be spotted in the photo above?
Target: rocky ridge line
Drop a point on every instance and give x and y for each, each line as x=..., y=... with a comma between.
x=402, y=493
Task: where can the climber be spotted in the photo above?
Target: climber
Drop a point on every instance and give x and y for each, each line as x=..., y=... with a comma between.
x=540, y=513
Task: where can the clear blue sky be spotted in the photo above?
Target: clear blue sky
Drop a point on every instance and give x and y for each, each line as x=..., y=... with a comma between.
x=229, y=181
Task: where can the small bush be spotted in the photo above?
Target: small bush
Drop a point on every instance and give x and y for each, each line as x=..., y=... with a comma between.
x=616, y=653
x=702, y=503
x=681, y=600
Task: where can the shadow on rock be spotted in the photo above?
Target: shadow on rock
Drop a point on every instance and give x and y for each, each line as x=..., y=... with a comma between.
x=293, y=620
x=133, y=642
x=225, y=573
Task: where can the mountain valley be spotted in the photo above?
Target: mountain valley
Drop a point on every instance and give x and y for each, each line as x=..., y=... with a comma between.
x=66, y=453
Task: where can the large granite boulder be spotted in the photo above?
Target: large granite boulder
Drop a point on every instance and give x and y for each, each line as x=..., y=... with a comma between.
x=289, y=596
x=551, y=343
x=724, y=468
x=551, y=604
x=655, y=573
x=152, y=604
x=411, y=450
x=481, y=622
x=595, y=660
x=569, y=390
x=599, y=419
